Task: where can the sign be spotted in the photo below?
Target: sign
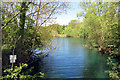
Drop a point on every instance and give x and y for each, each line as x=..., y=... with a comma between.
x=12, y=58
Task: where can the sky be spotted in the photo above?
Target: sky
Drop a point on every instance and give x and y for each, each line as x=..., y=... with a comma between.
x=64, y=19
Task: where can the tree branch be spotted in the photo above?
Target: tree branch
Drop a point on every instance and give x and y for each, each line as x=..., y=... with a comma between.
x=37, y=10
x=10, y=20
x=49, y=16
x=13, y=17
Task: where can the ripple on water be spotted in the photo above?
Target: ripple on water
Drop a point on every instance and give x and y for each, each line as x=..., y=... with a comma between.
x=73, y=61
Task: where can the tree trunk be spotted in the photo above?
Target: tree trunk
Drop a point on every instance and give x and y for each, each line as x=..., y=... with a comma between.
x=20, y=44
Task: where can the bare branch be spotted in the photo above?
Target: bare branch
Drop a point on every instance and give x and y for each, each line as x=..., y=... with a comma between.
x=37, y=10
x=36, y=25
x=49, y=15
x=10, y=20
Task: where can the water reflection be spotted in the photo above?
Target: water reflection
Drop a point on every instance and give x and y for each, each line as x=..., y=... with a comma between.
x=72, y=60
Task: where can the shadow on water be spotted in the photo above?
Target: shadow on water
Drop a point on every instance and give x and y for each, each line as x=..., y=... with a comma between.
x=72, y=60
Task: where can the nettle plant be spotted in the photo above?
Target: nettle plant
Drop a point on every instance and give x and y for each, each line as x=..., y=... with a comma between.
x=17, y=73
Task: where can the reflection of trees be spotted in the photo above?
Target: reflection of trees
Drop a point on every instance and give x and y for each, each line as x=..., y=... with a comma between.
x=38, y=67
x=77, y=41
x=95, y=65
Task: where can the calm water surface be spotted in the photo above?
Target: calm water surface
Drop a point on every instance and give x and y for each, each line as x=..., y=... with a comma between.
x=72, y=60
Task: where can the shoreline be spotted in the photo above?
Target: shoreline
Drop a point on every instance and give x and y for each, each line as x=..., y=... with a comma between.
x=64, y=35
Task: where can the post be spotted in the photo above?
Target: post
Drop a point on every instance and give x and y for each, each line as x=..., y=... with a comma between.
x=12, y=60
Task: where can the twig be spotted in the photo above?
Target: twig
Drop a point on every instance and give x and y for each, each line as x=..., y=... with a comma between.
x=10, y=20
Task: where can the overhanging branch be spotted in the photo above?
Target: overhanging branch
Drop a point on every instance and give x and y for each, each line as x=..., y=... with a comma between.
x=49, y=15
x=10, y=20
x=13, y=18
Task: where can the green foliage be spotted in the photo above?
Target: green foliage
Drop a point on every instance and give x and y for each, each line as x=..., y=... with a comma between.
x=18, y=34
x=16, y=73
x=51, y=30
x=114, y=73
x=73, y=28
x=101, y=28
x=97, y=24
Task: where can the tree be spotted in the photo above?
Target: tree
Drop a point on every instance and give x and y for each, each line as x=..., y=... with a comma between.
x=101, y=25
x=21, y=24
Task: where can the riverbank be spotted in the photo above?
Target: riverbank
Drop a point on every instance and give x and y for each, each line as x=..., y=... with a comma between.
x=101, y=49
x=64, y=35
